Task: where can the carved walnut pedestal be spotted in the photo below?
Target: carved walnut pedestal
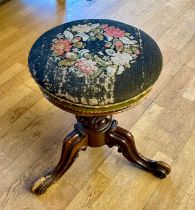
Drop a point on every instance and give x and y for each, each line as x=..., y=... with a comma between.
x=95, y=68
x=96, y=132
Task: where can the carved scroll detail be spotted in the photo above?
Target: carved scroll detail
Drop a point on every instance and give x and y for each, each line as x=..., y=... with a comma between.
x=94, y=123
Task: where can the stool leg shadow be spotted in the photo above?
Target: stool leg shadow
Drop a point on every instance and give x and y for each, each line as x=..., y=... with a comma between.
x=73, y=143
x=125, y=142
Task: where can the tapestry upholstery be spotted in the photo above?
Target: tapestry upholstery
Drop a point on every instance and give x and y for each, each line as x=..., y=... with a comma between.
x=95, y=62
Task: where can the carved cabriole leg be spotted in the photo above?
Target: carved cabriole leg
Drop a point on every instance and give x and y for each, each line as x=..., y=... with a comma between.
x=118, y=136
x=73, y=143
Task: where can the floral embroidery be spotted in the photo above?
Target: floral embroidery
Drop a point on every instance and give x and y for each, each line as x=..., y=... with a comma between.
x=121, y=58
x=89, y=58
x=116, y=47
x=114, y=32
x=84, y=28
x=60, y=46
x=86, y=66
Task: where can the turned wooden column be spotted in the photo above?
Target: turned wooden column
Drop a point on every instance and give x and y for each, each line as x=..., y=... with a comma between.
x=95, y=128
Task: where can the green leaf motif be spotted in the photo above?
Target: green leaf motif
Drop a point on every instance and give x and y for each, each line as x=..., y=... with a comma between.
x=127, y=50
x=133, y=49
x=88, y=56
x=101, y=62
x=82, y=52
x=96, y=74
x=66, y=62
x=79, y=74
x=78, y=44
x=100, y=37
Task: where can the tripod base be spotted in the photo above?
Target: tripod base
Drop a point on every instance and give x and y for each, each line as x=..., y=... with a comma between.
x=96, y=132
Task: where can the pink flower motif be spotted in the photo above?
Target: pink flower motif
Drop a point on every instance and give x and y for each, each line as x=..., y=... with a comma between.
x=118, y=44
x=68, y=55
x=114, y=32
x=60, y=46
x=137, y=52
x=86, y=66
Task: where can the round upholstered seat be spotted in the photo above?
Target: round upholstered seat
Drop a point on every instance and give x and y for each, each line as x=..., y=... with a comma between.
x=95, y=66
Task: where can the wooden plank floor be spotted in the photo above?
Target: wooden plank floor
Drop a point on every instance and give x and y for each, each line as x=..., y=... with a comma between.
x=32, y=129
